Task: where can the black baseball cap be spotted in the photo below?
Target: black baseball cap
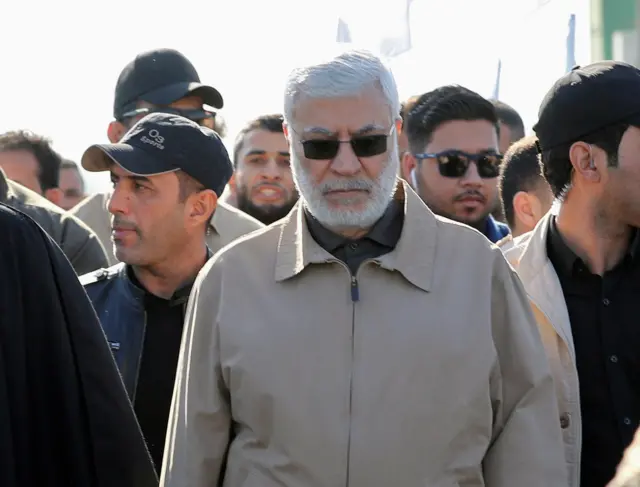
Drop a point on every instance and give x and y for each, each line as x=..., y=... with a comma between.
x=161, y=143
x=588, y=99
x=161, y=77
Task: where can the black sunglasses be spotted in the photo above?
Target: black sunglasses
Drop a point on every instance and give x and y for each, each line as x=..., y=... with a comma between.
x=362, y=145
x=192, y=114
x=455, y=163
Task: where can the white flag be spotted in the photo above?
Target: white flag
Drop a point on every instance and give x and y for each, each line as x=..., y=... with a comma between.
x=383, y=26
x=571, y=43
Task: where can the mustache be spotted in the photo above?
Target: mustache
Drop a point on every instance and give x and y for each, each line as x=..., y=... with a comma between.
x=347, y=185
x=121, y=223
x=470, y=194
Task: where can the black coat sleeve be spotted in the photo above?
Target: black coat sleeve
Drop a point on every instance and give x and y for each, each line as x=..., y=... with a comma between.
x=65, y=419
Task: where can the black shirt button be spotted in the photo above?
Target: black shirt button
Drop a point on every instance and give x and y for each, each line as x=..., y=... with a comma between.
x=614, y=359
x=565, y=421
x=606, y=302
x=353, y=246
x=626, y=421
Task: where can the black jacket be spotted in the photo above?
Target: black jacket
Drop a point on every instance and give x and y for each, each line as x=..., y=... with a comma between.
x=120, y=305
x=65, y=419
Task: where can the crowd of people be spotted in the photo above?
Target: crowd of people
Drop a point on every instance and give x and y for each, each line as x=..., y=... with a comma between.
x=364, y=292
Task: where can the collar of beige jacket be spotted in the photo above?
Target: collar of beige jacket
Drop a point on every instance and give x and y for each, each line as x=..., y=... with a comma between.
x=222, y=217
x=541, y=280
x=218, y=218
x=414, y=255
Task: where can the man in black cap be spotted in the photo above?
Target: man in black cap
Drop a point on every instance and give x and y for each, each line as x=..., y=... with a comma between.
x=581, y=267
x=167, y=174
x=162, y=80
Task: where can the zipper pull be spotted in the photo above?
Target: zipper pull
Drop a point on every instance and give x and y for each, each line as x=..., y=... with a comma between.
x=355, y=292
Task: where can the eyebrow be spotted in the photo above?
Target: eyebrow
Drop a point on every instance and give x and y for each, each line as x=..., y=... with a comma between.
x=142, y=179
x=260, y=152
x=372, y=127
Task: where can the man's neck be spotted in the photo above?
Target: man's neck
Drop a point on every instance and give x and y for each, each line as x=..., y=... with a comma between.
x=165, y=278
x=599, y=241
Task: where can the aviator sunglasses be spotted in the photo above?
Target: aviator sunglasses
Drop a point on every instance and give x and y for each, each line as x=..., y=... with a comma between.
x=455, y=163
x=362, y=145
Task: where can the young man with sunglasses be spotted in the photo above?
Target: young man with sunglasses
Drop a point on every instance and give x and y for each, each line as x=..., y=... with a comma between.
x=361, y=340
x=162, y=80
x=454, y=157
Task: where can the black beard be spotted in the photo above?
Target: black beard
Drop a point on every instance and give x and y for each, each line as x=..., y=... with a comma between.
x=264, y=214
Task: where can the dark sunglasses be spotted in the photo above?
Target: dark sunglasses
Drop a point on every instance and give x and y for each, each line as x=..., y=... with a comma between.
x=194, y=115
x=455, y=163
x=362, y=145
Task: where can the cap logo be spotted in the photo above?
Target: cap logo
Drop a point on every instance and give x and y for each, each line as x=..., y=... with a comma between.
x=154, y=139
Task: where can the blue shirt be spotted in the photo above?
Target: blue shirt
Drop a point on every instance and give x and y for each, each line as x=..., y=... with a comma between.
x=494, y=230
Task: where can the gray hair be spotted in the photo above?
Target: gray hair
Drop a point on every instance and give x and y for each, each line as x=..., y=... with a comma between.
x=347, y=74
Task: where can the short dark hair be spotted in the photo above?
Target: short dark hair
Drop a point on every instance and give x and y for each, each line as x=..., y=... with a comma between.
x=407, y=106
x=519, y=171
x=187, y=185
x=68, y=164
x=556, y=165
x=271, y=123
x=49, y=161
x=510, y=117
x=445, y=104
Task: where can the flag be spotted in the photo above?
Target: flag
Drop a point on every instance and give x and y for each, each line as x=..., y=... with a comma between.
x=571, y=43
x=343, y=32
x=385, y=28
x=496, y=86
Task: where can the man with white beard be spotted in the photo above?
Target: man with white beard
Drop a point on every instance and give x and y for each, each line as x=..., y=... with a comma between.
x=361, y=341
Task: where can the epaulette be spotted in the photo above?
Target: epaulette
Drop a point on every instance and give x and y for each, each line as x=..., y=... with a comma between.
x=97, y=276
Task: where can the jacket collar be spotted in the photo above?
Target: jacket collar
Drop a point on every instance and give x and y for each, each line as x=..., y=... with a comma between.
x=541, y=280
x=223, y=217
x=414, y=255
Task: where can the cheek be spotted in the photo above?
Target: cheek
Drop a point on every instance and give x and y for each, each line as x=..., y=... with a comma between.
x=373, y=166
x=440, y=187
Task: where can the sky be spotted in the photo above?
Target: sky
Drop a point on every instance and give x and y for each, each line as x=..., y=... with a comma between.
x=62, y=59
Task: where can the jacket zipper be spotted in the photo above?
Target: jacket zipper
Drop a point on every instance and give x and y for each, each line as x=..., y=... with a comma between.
x=135, y=386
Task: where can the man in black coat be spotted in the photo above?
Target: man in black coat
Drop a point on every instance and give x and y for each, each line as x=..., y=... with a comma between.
x=65, y=419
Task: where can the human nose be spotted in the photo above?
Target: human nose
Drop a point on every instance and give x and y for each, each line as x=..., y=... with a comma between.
x=471, y=177
x=346, y=162
x=118, y=201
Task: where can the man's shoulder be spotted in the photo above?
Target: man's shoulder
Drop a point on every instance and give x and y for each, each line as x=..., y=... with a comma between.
x=514, y=251
x=101, y=277
x=42, y=210
x=89, y=205
x=462, y=234
x=240, y=221
x=258, y=243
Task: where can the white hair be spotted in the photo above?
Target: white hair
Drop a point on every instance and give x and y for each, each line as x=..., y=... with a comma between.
x=347, y=74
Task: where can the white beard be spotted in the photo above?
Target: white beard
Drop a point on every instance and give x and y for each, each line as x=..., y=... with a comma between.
x=380, y=194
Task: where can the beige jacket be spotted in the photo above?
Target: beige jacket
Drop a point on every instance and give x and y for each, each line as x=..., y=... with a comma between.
x=227, y=223
x=541, y=282
x=431, y=374
x=80, y=245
